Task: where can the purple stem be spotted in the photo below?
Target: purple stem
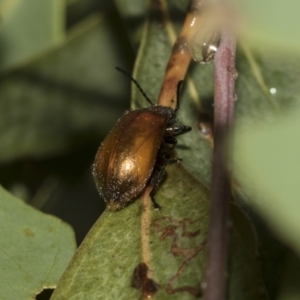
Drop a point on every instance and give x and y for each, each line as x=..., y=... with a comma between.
x=224, y=73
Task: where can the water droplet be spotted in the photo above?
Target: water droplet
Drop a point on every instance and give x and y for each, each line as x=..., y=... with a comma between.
x=204, y=45
x=203, y=284
x=273, y=90
x=235, y=97
x=205, y=126
x=235, y=74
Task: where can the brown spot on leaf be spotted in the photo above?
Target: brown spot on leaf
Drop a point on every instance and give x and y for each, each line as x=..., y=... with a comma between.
x=51, y=229
x=176, y=230
x=29, y=232
x=140, y=280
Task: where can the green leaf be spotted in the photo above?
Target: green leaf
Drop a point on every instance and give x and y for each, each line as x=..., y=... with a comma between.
x=267, y=90
x=104, y=264
x=66, y=97
x=35, y=249
x=270, y=25
x=173, y=246
x=29, y=27
x=133, y=13
x=266, y=158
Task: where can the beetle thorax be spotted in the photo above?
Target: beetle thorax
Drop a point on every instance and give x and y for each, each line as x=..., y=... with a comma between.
x=167, y=112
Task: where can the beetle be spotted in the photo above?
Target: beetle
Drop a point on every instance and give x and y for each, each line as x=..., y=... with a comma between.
x=136, y=152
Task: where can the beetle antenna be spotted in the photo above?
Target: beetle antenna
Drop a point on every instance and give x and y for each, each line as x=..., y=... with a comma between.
x=179, y=86
x=136, y=83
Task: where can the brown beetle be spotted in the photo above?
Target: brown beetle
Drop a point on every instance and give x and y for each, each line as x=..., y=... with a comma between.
x=136, y=152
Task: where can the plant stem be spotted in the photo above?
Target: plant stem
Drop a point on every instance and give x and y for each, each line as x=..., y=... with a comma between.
x=225, y=73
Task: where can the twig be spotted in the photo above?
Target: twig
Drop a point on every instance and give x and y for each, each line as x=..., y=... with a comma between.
x=180, y=57
x=225, y=74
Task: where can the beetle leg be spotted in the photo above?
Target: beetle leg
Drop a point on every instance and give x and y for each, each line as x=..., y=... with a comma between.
x=155, y=204
x=169, y=139
x=166, y=148
x=157, y=177
x=177, y=130
x=156, y=184
x=174, y=160
x=164, y=158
